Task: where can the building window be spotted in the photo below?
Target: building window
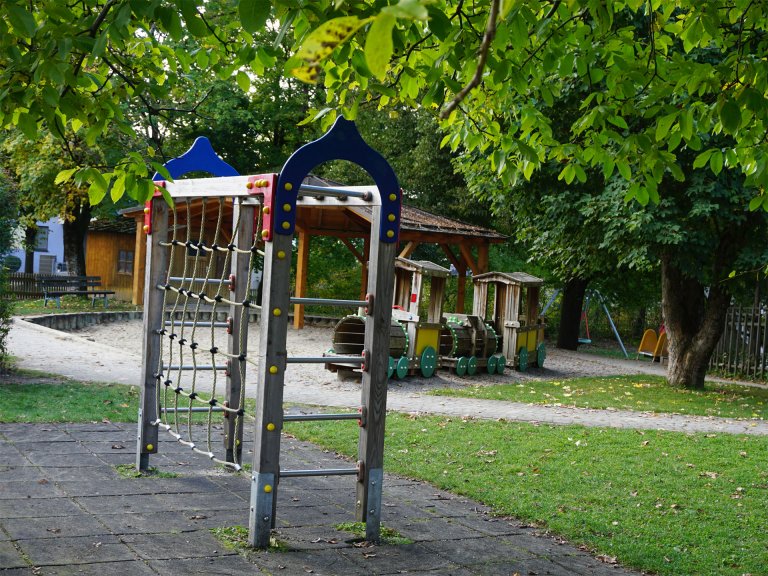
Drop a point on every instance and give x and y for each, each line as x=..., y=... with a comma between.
x=41, y=239
x=125, y=262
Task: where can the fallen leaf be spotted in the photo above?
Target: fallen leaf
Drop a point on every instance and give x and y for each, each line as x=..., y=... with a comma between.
x=118, y=447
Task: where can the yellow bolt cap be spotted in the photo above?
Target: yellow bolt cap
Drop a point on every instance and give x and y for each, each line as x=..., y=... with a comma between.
x=289, y=186
x=286, y=225
x=270, y=427
x=390, y=234
x=267, y=488
x=281, y=254
x=393, y=197
x=273, y=369
x=146, y=228
x=286, y=207
x=265, y=209
x=146, y=209
x=264, y=233
x=150, y=446
x=277, y=312
x=391, y=217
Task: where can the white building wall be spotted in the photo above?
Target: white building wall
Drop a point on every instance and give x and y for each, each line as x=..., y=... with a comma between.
x=54, y=248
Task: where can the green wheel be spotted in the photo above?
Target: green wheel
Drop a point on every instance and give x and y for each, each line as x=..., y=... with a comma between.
x=501, y=364
x=522, y=359
x=391, y=367
x=471, y=366
x=492, y=361
x=461, y=365
x=401, y=369
x=428, y=362
x=541, y=354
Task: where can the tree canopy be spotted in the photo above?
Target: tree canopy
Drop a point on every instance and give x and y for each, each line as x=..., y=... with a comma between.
x=660, y=76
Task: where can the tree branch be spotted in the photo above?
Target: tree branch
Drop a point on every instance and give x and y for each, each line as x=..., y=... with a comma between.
x=490, y=32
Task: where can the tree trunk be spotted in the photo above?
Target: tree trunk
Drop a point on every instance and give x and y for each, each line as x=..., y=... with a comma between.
x=74, y=240
x=570, y=313
x=29, y=249
x=694, y=323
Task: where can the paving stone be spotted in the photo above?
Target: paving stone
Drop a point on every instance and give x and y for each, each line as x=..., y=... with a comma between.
x=15, y=472
x=64, y=460
x=171, y=522
x=198, y=544
x=126, y=568
x=53, y=527
x=76, y=550
x=315, y=562
x=220, y=566
x=474, y=551
x=439, y=529
x=404, y=558
x=20, y=572
x=68, y=445
x=584, y=564
x=10, y=556
x=29, y=489
x=126, y=486
x=37, y=507
x=67, y=473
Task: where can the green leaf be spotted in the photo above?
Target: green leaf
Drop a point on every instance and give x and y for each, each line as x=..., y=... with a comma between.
x=254, y=14
x=118, y=188
x=702, y=159
x=755, y=203
x=98, y=188
x=716, y=162
x=619, y=122
x=408, y=9
x=192, y=18
x=730, y=116
x=664, y=124
x=321, y=42
x=624, y=170
x=28, y=125
x=243, y=81
x=378, y=44
x=22, y=20
x=100, y=45
x=64, y=175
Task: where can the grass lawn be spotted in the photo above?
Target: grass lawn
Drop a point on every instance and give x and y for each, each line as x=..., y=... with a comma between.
x=666, y=502
x=69, y=304
x=638, y=392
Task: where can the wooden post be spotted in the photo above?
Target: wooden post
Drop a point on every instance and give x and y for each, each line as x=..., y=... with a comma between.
x=301, y=278
x=461, y=286
x=374, y=385
x=364, y=267
x=270, y=379
x=238, y=331
x=482, y=258
x=139, y=263
x=157, y=264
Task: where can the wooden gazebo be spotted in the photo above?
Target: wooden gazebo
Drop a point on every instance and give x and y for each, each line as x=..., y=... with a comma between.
x=465, y=245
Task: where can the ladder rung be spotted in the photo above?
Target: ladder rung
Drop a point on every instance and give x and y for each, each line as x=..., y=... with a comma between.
x=325, y=360
x=329, y=302
x=198, y=367
x=308, y=190
x=309, y=417
x=198, y=280
x=201, y=324
x=321, y=472
x=193, y=409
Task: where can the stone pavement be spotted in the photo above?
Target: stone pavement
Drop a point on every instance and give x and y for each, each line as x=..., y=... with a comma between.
x=64, y=510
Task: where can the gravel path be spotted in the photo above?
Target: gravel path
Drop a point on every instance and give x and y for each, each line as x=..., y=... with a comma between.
x=112, y=352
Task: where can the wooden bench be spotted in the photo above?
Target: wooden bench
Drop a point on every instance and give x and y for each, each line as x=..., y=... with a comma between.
x=54, y=287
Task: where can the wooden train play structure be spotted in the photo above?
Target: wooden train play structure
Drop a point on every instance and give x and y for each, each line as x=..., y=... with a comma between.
x=503, y=331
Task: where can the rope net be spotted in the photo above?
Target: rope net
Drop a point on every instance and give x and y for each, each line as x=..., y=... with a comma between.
x=191, y=407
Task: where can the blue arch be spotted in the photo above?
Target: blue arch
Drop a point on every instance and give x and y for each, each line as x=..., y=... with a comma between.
x=201, y=157
x=341, y=142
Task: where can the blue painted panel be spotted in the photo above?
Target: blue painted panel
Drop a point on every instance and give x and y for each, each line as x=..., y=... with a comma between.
x=201, y=157
x=341, y=142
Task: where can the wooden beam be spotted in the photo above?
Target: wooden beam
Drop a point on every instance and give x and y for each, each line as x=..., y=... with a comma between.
x=351, y=247
x=482, y=258
x=451, y=256
x=408, y=249
x=302, y=263
x=466, y=253
x=364, y=277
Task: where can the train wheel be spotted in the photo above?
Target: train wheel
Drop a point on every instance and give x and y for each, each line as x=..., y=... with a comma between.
x=492, y=361
x=522, y=359
x=391, y=367
x=541, y=354
x=428, y=362
x=461, y=365
x=402, y=367
x=471, y=366
x=501, y=364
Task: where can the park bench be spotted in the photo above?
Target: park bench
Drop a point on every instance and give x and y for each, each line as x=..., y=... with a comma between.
x=54, y=287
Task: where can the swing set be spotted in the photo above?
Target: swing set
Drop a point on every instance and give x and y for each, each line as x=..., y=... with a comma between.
x=584, y=336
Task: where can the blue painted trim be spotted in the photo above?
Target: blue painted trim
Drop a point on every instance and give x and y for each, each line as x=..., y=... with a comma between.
x=341, y=142
x=201, y=157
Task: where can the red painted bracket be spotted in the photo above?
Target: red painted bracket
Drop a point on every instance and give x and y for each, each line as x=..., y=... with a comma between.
x=148, y=207
x=264, y=184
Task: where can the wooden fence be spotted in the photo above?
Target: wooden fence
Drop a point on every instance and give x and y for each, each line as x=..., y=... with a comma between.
x=742, y=347
x=23, y=286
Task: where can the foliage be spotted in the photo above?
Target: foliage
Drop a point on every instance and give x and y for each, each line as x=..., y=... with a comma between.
x=69, y=304
x=129, y=472
x=389, y=536
x=663, y=502
x=7, y=226
x=635, y=393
